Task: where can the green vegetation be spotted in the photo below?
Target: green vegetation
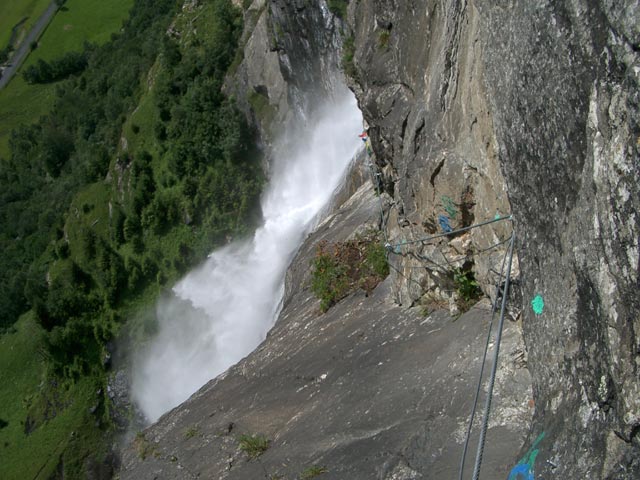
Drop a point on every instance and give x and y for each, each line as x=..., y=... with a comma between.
x=134, y=170
x=383, y=39
x=4, y=54
x=48, y=421
x=12, y=14
x=142, y=446
x=44, y=72
x=22, y=103
x=376, y=260
x=312, y=472
x=263, y=110
x=253, y=445
x=341, y=268
x=467, y=288
x=348, y=52
x=330, y=282
x=82, y=21
x=338, y=7
x=191, y=432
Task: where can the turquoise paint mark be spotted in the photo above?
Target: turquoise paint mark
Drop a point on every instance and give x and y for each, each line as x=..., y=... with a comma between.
x=449, y=206
x=524, y=470
x=497, y=217
x=398, y=247
x=537, y=304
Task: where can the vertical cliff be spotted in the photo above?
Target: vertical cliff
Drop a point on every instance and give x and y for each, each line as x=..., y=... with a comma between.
x=419, y=77
x=289, y=58
x=458, y=94
x=564, y=91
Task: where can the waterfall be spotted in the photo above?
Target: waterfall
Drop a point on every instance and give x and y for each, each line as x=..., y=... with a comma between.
x=222, y=310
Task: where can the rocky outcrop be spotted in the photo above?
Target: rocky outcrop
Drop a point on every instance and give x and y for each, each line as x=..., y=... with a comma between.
x=547, y=94
x=419, y=80
x=290, y=49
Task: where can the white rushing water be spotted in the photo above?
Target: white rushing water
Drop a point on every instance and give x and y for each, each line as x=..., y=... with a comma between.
x=221, y=311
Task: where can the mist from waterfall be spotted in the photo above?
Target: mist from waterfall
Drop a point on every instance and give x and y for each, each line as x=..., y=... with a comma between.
x=222, y=310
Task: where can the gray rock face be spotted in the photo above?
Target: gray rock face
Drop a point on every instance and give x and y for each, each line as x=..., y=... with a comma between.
x=366, y=391
x=547, y=94
x=419, y=81
x=289, y=63
x=564, y=91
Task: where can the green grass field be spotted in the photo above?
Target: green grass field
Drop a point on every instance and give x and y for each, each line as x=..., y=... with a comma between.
x=80, y=20
x=21, y=103
x=13, y=11
x=36, y=454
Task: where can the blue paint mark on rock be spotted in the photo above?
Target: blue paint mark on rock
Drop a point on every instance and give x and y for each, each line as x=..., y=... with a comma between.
x=537, y=304
x=443, y=220
x=524, y=470
x=398, y=247
x=521, y=472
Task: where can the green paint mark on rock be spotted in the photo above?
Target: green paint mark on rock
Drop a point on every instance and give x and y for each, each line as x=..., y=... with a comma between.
x=537, y=304
x=449, y=206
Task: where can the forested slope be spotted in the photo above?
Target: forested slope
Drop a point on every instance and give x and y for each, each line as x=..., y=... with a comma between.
x=139, y=169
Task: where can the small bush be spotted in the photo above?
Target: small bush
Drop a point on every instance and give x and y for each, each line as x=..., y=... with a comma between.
x=329, y=282
x=312, y=472
x=467, y=288
x=383, y=40
x=466, y=284
x=338, y=8
x=376, y=259
x=343, y=267
x=348, y=53
x=253, y=445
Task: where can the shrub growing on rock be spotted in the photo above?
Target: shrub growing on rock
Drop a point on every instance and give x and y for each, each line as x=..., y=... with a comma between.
x=341, y=268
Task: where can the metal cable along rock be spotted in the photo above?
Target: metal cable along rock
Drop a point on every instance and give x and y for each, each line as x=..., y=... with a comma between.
x=494, y=367
x=482, y=364
x=500, y=293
